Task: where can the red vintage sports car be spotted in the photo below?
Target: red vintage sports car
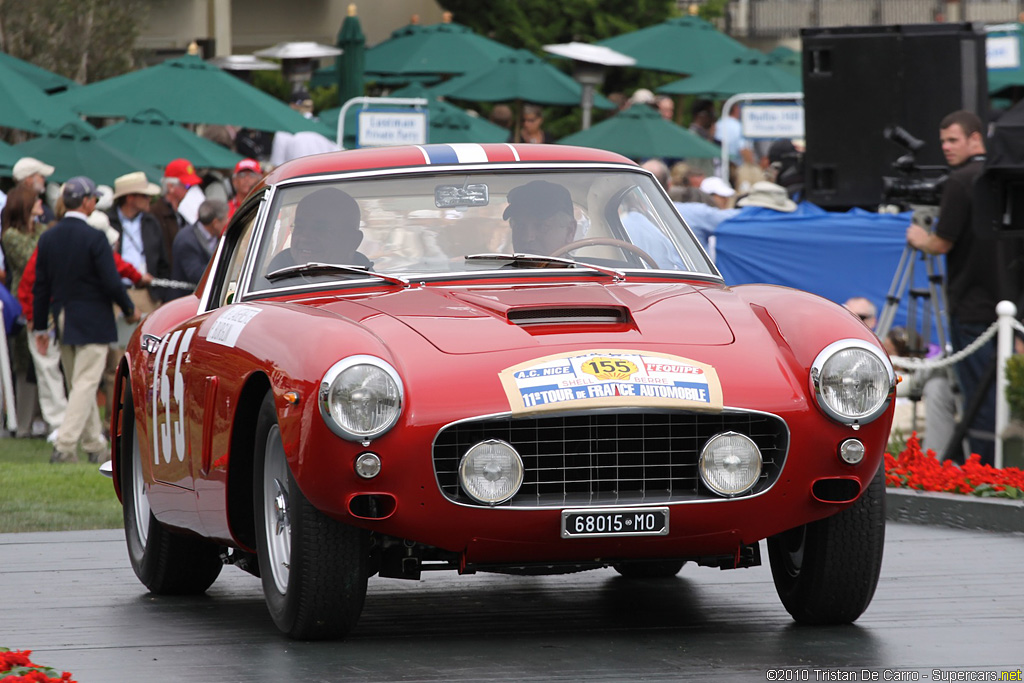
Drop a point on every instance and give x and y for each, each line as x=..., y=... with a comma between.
x=511, y=358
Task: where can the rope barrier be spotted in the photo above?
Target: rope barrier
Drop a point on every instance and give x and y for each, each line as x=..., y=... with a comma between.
x=914, y=364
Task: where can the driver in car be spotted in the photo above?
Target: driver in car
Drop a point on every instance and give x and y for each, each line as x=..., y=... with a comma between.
x=326, y=231
x=541, y=217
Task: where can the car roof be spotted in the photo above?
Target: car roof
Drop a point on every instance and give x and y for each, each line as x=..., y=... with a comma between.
x=425, y=155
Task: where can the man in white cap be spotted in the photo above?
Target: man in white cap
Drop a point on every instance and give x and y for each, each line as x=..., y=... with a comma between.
x=32, y=172
x=77, y=280
x=719, y=190
x=142, y=242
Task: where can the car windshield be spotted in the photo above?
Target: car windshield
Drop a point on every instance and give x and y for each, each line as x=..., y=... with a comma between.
x=423, y=224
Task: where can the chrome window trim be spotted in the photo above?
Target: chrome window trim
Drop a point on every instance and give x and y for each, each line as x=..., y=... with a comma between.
x=245, y=292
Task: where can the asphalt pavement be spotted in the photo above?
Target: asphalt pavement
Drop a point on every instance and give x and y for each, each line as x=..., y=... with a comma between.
x=948, y=599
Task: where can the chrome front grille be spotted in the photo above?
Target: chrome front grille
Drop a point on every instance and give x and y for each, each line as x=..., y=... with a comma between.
x=604, y=458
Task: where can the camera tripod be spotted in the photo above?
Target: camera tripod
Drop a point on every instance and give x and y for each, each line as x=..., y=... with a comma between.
x=931, y=302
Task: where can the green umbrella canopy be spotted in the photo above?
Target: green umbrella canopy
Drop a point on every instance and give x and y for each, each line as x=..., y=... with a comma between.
x=8, y=157
x=47, y=81
x=521, y=76
x=75, y=149
x=680, y=45
x=351, y=63
x=187, y=90
x=446, y=122
x=445, y=48
x=26, y=107
x=752, y=73
x=640, y=132
x=151, y=138
x=787, y=59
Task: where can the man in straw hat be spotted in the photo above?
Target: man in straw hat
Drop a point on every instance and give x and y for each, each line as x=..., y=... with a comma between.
x=141, y=242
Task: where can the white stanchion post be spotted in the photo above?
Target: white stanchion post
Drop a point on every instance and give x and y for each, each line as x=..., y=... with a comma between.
x=6, y=380
x=1007, y=313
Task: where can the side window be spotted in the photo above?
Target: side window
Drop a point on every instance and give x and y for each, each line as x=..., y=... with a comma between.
x=231, y=271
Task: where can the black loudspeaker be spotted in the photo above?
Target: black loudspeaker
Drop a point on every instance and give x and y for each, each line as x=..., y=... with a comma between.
x=859, y=81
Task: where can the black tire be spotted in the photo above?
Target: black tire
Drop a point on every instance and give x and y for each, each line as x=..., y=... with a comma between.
x=659, y=569
x=165, y=562
x=314, y=569
x=826, y=572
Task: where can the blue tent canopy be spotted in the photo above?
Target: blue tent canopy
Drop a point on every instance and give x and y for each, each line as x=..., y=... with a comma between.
x=834, y=255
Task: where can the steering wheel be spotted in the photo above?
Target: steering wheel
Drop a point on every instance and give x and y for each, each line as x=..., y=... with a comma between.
x=607, y=241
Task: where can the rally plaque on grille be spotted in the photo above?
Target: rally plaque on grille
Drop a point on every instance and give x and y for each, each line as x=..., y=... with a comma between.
x=590, y=523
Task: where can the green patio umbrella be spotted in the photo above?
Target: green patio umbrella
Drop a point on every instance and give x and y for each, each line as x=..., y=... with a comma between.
x=446, y=122
x=351, y=64
x=445, y=48
x=75, y=149
x=752, y=73
x=787, y=59
x=47, y=81
x=8, y=157
x=640, y=132
x=520, y=77
x=26, y=107
x=151, y=137
x=187, y=90
x=680, y=45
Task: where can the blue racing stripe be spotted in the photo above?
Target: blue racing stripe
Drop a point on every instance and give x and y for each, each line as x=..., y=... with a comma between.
x=441, y=154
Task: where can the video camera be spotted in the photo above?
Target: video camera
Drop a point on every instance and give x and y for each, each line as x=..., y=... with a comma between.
x=916, y=185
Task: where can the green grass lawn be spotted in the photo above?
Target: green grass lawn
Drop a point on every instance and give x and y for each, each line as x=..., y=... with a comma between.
x=38, y=496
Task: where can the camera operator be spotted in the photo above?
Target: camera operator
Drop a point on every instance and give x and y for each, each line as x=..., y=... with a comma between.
x=973, y=288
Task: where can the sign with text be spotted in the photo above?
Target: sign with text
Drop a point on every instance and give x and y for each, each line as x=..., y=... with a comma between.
x=773, y=121
x=383, y=128
x=1002, y=51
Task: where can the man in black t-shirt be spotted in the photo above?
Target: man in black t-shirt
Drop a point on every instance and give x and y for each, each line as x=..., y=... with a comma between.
x=972, y=286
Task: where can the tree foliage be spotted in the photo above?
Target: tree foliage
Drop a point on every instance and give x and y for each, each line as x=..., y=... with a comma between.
x=531, y=24
x=84, y=40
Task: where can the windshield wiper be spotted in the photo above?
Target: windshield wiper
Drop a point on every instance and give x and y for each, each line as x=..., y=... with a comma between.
x=313, y=268
x=538, y=261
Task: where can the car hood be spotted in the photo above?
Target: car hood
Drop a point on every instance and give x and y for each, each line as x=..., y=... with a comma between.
x=485, y=319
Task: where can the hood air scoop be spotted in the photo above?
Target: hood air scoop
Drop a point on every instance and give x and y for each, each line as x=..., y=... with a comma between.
x=574, y=315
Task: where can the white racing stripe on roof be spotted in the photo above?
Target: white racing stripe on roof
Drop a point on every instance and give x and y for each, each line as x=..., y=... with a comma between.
x=515, y=154
x=426, y=157
x=469, y=153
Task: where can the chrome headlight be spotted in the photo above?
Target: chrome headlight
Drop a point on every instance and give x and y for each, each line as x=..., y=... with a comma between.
x=491, y=472
x=360, y=398
x=730, y=463
x=853, y=381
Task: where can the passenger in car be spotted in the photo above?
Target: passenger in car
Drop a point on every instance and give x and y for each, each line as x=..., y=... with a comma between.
x=541, y=217
x=326, y=231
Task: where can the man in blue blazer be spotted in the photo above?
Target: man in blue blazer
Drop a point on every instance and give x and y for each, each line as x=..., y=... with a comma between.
x=194, y=244
x=77, y=281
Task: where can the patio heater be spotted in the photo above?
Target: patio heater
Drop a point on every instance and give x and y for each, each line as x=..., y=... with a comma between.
x=589, y=63
x=242, y=66
x=297, y=59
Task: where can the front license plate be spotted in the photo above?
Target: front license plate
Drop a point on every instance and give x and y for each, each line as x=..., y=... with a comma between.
x=615, y=522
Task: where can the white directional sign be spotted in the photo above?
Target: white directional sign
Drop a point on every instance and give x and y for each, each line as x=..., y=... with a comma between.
x=1002, y=52
x=384, y=128
x=773, y=121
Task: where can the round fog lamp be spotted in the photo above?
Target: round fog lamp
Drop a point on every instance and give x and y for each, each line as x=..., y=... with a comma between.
x=730, y=464
x=491, y=472
x=367, y=465
x=851, y=451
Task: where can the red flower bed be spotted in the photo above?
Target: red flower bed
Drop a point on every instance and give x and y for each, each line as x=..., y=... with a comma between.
x=914, y=469
x=16, y=667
